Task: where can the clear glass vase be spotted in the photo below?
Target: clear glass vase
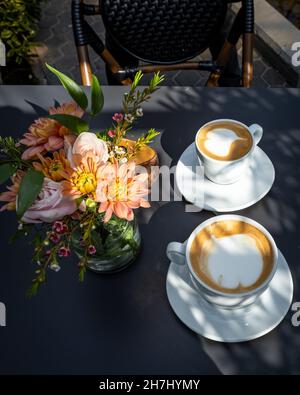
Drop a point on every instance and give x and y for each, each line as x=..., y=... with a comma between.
x=117, y=244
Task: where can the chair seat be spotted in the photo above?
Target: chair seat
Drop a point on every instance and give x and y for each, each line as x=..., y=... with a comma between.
x=163, y=31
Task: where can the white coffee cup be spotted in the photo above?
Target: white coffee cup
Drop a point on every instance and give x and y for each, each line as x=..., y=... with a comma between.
x=228, y=171
x=180, y=254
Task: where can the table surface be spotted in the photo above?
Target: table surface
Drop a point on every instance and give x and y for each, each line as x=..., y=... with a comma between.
x=122, y=323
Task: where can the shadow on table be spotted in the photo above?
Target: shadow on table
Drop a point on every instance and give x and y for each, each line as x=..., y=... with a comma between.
x=274, y=353
x=14, y=121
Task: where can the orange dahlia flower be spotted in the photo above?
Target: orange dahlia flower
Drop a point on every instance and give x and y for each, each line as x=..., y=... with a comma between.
x=120, y=190
x=47, y=135
x=55, y=168
x=83, y=178
x=10, y=195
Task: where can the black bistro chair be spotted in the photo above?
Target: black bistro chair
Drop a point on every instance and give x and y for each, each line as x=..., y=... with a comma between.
x=164, y=34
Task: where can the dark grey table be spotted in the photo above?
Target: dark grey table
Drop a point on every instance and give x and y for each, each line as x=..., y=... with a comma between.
x=122, y=323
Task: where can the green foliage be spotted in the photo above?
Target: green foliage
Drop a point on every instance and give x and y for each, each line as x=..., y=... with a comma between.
x=75, y=124
x=10, y=152
x=30, y=188
x=134, y=98
x=74, y=90
x=147, y=138
x=78, y=95
x=132, y=102
x=6, y=171
x=97, y=98
x=103, y=135
x=136, y=80
x=18, y=23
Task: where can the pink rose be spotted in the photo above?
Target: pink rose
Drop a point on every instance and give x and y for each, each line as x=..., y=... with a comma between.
x=50, y=205
x=88, y=142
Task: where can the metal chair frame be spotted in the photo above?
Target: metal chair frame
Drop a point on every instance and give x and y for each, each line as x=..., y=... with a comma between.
x=84, y=36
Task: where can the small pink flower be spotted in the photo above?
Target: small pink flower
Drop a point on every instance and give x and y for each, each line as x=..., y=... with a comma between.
x=64, y=252
x=54, y=237
x=111, y=133
x=65, y=228
x=117, y=117
x=92, y=250
x=58, y=226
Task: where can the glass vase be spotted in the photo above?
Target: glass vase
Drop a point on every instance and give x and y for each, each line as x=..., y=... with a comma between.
x=117, y=245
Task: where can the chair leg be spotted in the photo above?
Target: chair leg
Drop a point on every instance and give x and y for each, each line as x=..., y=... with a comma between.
x=243, y=24
x=84, y=35
x=248, y=40
x=113, y=66
x=222, y=60
x=224, y=55
x=121, y=59
x=84, y=65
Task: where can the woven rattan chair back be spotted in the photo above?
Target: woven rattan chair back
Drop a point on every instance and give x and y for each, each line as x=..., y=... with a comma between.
x=164, y=33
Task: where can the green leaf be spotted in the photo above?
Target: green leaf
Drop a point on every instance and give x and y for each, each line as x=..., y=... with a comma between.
x=6, y=170
x=33, y=290
x=74, y=90
x=82, y=271
x=97, y=99
x=29, y=190
x=103, y=134
x=75, y=124
x=137, y=78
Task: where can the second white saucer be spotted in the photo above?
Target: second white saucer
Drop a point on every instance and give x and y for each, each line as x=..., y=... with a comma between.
x=225, y=325
x=203, y=193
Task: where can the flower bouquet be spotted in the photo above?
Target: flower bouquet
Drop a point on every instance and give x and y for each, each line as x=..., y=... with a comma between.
x=75, y=190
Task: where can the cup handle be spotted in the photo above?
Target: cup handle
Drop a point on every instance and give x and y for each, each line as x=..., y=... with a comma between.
x=257, y=133
x=176, y=253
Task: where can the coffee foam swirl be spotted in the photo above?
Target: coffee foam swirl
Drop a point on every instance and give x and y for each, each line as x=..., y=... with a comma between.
x=232, y=256
x=224, y=141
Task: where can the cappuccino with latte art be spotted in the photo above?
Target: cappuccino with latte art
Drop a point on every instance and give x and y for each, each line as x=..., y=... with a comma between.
x=224, y=141
x=225, y=147
x=232, y=256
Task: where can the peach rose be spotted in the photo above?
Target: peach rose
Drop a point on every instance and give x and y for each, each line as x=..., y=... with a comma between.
x=89, y=143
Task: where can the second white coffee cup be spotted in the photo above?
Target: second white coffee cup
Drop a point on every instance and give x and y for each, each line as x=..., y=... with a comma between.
x=227, y=171
x=180, y=254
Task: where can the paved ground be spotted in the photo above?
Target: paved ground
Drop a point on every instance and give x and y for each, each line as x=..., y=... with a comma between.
x=56, y=33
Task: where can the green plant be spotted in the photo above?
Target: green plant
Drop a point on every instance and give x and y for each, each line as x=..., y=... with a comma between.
x=18, y=23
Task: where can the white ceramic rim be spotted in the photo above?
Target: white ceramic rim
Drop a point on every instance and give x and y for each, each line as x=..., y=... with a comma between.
x=239, y=218
x=219, y=160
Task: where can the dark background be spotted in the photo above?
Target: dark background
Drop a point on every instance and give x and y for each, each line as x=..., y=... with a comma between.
x=122, y=323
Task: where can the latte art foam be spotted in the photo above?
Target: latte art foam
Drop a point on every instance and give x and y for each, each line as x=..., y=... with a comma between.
x=234, y=261
x=224, y=141
x=232, y=256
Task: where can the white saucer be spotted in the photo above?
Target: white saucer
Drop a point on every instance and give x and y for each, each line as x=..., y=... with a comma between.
x=230, y=325
x=251, y=188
